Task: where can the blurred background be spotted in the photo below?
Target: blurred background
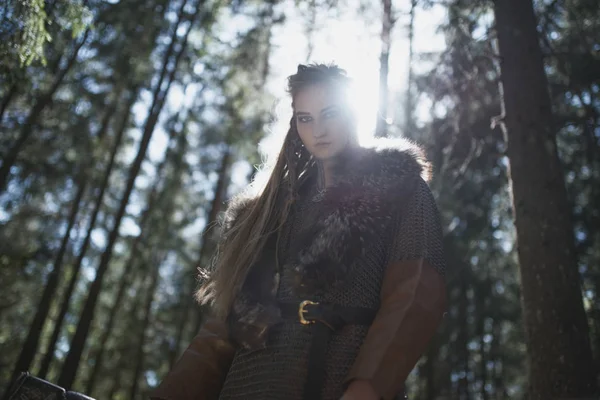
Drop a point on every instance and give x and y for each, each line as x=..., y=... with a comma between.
x=125, y=126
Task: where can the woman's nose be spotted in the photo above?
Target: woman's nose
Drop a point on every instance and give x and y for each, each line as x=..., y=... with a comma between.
x=319, y=130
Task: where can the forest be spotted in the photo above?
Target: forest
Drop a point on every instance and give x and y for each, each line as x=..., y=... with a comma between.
x=126, y=125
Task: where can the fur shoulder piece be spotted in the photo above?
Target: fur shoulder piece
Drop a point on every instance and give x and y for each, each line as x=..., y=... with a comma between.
x=397, y=157
x=391, y=159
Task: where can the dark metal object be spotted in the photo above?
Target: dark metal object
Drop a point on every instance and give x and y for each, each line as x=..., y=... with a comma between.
x=29, y=387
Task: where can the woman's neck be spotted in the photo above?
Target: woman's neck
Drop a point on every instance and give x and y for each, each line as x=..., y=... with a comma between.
x=325, y=175
x=328, y=170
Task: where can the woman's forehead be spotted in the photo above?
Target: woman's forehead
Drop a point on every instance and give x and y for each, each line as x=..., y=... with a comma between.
x=314, y=98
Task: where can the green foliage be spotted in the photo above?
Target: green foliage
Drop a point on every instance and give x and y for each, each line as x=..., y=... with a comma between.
x=217, y=104
x=26, y=26
x=30, y=35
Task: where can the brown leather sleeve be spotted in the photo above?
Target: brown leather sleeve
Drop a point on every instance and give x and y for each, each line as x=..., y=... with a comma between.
x=200, y=371
x=413, y=300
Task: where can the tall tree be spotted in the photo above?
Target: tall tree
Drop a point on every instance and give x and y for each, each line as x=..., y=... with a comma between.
x=82, y=184
x=558, y=346
x=35, y=330
x=188, y=304
x=141, y=339
x=409, y=102
x=215, y=207
x=569, y=31
x=91, y=224
x=387, y=24
x=166, y=76
x=129, y=268
x=469, y=176
x=118, y=375
x=122, y=76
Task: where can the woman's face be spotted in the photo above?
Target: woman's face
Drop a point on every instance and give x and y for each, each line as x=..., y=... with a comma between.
x=322, y=121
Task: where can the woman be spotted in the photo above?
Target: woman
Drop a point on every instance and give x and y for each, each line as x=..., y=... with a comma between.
x=329, y=283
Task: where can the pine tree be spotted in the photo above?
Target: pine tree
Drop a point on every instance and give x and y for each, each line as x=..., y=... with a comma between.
x=556, y=327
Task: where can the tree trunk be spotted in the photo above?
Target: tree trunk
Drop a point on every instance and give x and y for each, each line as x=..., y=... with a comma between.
x=116, y=381
x=559, y=354
x=215, y=207
x=35, y=330
x=37, y=325
x=589, y=122
x=125, y=277
x=480, y=315
x=42, y=102
x=188, y=298
x=69, y=370
x=462, y=345
x=495, y=354
x=6, y=100
x=309, y=29
x=124, y=363
x=408, y=106
x=125, y=281
x=66, y=298
x=82, y=185
x=142, y=337
x=172, y=185
x=386, y=42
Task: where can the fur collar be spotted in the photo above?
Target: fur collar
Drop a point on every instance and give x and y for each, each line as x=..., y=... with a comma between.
x=372, y=182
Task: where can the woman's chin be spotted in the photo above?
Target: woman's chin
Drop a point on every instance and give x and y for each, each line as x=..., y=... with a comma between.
x=325, y=153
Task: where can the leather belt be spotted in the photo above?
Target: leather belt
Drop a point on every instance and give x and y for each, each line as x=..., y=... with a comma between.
x=323, y=319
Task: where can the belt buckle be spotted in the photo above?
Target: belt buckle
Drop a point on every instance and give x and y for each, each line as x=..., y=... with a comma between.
x=301, y=312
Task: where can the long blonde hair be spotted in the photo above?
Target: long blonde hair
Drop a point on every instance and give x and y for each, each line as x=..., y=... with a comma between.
x=244, y=241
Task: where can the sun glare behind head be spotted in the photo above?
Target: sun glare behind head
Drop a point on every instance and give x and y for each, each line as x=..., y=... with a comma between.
x=364, y=101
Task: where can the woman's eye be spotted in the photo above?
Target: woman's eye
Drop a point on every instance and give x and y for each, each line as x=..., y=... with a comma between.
x=331, y=114
x=304, y=119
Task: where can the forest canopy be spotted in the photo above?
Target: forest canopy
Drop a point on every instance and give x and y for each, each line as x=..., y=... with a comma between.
x=127, y=125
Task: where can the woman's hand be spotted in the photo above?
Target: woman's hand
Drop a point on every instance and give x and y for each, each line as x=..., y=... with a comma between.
x=360, y=389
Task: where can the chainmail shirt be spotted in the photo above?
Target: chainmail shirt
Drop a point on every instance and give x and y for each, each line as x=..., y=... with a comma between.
x=278, y=371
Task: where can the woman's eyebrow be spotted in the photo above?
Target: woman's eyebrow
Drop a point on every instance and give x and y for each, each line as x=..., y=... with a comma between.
x=324, y=110
x=329, y=108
